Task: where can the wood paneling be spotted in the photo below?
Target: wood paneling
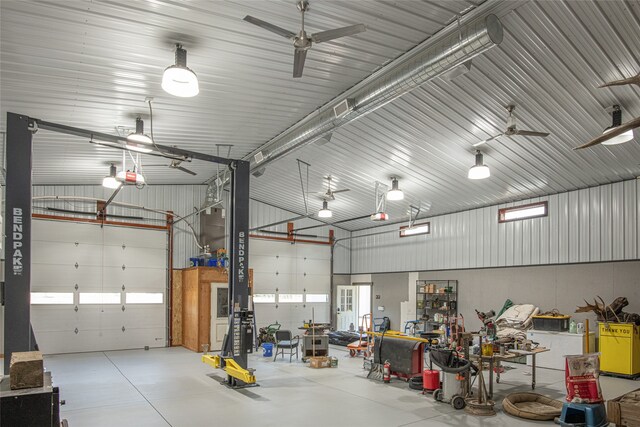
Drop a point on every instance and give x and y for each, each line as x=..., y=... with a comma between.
x=190, y=309
x=176, y=308
x=195, y=304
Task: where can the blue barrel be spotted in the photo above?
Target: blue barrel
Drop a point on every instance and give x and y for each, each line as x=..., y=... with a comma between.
x=268, y=349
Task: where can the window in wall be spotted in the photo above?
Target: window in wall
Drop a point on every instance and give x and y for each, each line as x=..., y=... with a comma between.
x=222, y=301
x=533, y=210
x=264, y=298
x=346, y=300
x=317, y=297
x=289, y=298
x=99, y=297
x=415, y=229
x=144, y=297
x=54, y=298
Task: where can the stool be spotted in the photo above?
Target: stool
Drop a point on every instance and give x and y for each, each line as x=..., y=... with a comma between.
x=583, y=415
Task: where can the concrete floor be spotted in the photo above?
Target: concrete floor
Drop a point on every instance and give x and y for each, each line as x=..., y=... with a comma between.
x=171, y=387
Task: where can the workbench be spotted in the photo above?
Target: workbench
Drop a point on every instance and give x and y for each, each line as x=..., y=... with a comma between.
x=495, y=361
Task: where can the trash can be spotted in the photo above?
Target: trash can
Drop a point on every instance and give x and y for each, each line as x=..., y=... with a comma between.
x=267, y=347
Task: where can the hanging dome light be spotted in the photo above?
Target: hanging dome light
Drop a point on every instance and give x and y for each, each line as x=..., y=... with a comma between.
x=325, y=212
x=616, y=115
x=395, y=193
x=180, y=80
x=479, y=170
x=137, y=140
x=110, y=180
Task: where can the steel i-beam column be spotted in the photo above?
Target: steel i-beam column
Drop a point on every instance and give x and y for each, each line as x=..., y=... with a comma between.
x=17, y=326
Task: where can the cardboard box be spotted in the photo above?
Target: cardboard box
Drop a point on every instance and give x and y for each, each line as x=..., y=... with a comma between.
x=319, y=362
x=625, y=410
x=26, y=370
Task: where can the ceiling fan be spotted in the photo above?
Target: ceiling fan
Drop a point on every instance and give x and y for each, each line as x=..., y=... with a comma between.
x=302, y=41
x=175, y=164
x=330, y=193
x=635, y=80
x=619, y=128
x=512, y=129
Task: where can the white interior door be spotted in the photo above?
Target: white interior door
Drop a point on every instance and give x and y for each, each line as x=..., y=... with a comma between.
x=347, y=315
x=219, y=314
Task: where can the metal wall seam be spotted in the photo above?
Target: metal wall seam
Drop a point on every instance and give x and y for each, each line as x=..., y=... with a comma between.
x=630, y=220
x=617, y=220
x=584, y=227
x=606, y=228
x=573, y=226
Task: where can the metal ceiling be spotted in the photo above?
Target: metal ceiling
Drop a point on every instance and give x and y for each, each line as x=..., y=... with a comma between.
x=92, y=64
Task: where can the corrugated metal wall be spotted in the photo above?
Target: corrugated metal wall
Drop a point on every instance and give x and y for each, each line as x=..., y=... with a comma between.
x=590, y=225
x=181, y=199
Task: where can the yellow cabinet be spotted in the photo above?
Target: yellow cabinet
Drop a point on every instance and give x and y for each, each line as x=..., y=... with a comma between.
x=620, y=348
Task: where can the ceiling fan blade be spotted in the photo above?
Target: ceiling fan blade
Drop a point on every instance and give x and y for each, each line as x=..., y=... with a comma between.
x=156, y=165
x=530, y=133
x=488, y=139
x=270, y=27
x=325, y=36
x=190, y=172
x=341, y=191
x=635, y=80
x=632, y=124
x=298, y=62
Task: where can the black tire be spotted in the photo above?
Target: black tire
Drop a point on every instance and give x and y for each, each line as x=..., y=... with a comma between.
x=415, y=383
x=352, y=353
x=458, y=402
x=437, y=395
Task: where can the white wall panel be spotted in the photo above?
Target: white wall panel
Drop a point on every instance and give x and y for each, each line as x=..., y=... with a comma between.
x=589, y=225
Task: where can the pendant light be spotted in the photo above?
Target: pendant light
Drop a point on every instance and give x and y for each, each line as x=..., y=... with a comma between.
x=110, y=180
x=180, y=80
x=139, y=136
x=616, y=115
x=479, y=170
x=395, y=193
x=325, y=212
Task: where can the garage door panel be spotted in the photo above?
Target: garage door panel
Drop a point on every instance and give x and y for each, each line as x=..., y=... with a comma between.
x=115, y=256
x=53, y=318
x=134, y=237
x=63, y=342
x=314, y=266
x=313, y=252
x=143, y=316
x=44, y=275
x=263, y=263
x=72, y=232
x=139, y=338
x=99, y=326
x=61, y=253
x=132, y=278
x=314, y=284
x=285, y=264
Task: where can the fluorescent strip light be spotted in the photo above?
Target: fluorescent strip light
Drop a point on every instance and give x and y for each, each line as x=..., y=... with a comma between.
x=424, y=228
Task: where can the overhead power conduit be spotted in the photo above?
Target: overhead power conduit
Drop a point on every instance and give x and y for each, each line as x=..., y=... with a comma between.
x=418, y=66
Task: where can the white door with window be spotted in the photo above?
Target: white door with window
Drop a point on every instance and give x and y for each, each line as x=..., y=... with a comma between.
x=347, y=316
x=219, y=314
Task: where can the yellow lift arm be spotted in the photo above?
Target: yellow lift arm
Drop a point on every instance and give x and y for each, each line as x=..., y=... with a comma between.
x=230, y=367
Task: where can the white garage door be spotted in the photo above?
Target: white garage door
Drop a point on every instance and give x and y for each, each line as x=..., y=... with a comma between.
x=289, y=280
x=98, y=288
